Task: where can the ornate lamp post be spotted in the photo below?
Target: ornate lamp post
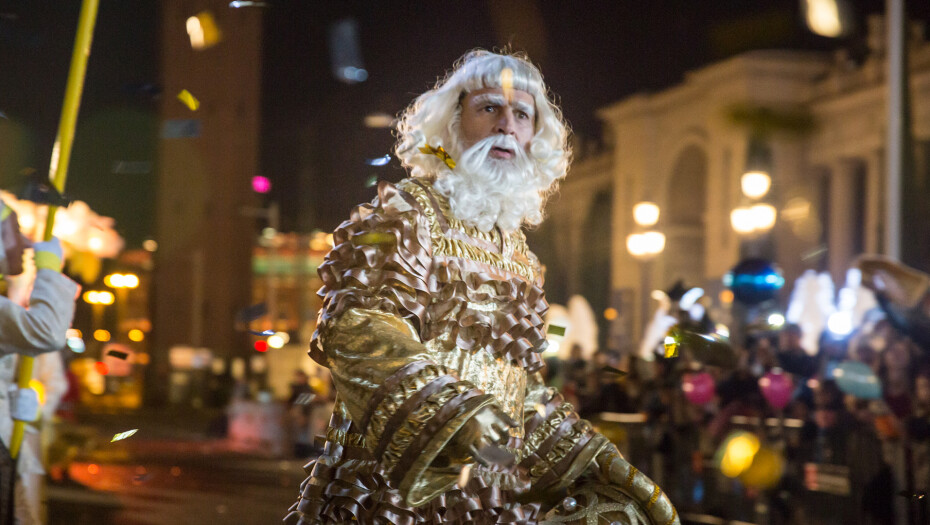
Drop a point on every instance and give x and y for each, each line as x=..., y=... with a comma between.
x=644, y=245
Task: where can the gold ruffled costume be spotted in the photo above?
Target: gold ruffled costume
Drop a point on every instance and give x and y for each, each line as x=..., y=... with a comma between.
x=425, y=321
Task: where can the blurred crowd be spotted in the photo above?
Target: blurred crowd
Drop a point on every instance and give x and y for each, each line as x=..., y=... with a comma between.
x=845, y=456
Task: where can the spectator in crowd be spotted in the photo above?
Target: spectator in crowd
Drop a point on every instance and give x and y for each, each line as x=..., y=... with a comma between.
x=918, y=429
x=792, y=357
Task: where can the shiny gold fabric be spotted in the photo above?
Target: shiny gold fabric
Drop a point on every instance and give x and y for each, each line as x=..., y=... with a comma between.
x=425, y=321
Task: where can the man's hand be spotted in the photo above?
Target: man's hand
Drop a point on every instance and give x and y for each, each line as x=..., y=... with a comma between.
x=481, y=437
x=24, y=404
x=14, y=244
x=48, y=254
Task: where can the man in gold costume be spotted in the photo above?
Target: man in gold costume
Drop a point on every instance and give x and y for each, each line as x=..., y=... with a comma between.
x=432, y=326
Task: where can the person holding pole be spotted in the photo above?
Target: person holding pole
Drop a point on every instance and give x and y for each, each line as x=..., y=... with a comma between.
x=29, y=331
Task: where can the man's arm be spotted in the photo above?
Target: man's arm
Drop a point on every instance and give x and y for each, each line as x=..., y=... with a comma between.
x=42, y=327
x=560, y=447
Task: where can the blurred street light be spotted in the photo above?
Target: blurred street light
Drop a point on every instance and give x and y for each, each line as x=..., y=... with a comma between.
x=755, y=184
x=646, y=213
x=98, y=297
x=645, y=246
x=119, y=280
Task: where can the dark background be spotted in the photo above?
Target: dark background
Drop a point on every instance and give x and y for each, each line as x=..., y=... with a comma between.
x=314, y=142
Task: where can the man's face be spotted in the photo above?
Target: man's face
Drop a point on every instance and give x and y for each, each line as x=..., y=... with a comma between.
x=487, y=112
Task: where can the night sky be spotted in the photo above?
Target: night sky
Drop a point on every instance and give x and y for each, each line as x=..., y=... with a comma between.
x=314, y=143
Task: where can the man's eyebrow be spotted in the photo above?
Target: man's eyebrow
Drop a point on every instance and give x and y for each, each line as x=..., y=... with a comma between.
x=524, y=107
x=489, y=98
x=499, y=100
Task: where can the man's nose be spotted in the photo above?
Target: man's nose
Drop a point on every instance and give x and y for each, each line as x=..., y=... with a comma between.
x=506, y=125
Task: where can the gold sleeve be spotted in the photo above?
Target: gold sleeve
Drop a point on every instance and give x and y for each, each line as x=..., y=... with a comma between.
x=559, y=446
x=375, y=297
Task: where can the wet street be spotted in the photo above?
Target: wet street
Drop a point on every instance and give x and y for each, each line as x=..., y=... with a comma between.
x=171, y=480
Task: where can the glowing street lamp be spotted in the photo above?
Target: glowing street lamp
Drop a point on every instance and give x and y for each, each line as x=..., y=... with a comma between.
x=120, y=280
x=96, y=297
x=755, y=184
x=646, y=213
x=644, y=246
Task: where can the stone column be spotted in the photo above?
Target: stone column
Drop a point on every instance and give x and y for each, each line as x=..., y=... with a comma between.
x=874, y=202
x=842, y=219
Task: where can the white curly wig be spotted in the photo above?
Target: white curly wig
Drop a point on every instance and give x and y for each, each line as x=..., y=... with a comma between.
x=434, y=119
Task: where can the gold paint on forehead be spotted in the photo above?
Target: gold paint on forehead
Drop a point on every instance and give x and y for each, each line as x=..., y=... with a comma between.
x=507, y=84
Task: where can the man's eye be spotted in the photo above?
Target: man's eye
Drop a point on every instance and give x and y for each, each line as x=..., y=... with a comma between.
x=523, y=115
x=489, y=109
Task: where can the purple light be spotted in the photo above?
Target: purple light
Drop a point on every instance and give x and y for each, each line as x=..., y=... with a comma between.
x=261, y=184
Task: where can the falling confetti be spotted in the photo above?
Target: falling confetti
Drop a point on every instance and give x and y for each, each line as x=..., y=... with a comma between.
x=189, y=100
x=304, y=399
x=203, y=31
x=671, y=347
x=379, y=161
x=813, y=254
x=117, y=354
x=123, y=435
x=263, y=333
x=556, y=330
x=235, y=4
x=371, y=182
x=142, y=478
x=613, y=370
x=251, y=313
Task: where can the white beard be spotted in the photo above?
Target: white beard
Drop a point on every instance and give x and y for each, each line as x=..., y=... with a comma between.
x=485, y=191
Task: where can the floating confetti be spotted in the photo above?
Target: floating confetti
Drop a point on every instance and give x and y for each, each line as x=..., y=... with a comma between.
x=251, y=313
x=371, y=182
x=671, y=347
x=263, y=333
x=379, y=161
x=142, y=478
x=235, y=4
x=464, y=476
x=203, y=31
x=556, y=330
x=304, y=399
x=123, y=435
x=345, y=52
x=439, y=152
x=117, y=354
x=189, y=100
x=3, y=115
x=813, y=254
x=613, y=370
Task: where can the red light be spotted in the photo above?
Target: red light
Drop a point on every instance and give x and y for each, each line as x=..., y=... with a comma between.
x=261, y=346
x=261, y=184
x=93, y=469
x=101, y=368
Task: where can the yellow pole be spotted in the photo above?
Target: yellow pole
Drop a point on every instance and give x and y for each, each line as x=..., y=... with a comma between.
x=61, y=155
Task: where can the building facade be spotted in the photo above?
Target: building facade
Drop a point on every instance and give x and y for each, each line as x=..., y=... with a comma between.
x=822, y=118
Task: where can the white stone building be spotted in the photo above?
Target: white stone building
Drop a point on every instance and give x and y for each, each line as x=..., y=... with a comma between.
x=679, y=149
